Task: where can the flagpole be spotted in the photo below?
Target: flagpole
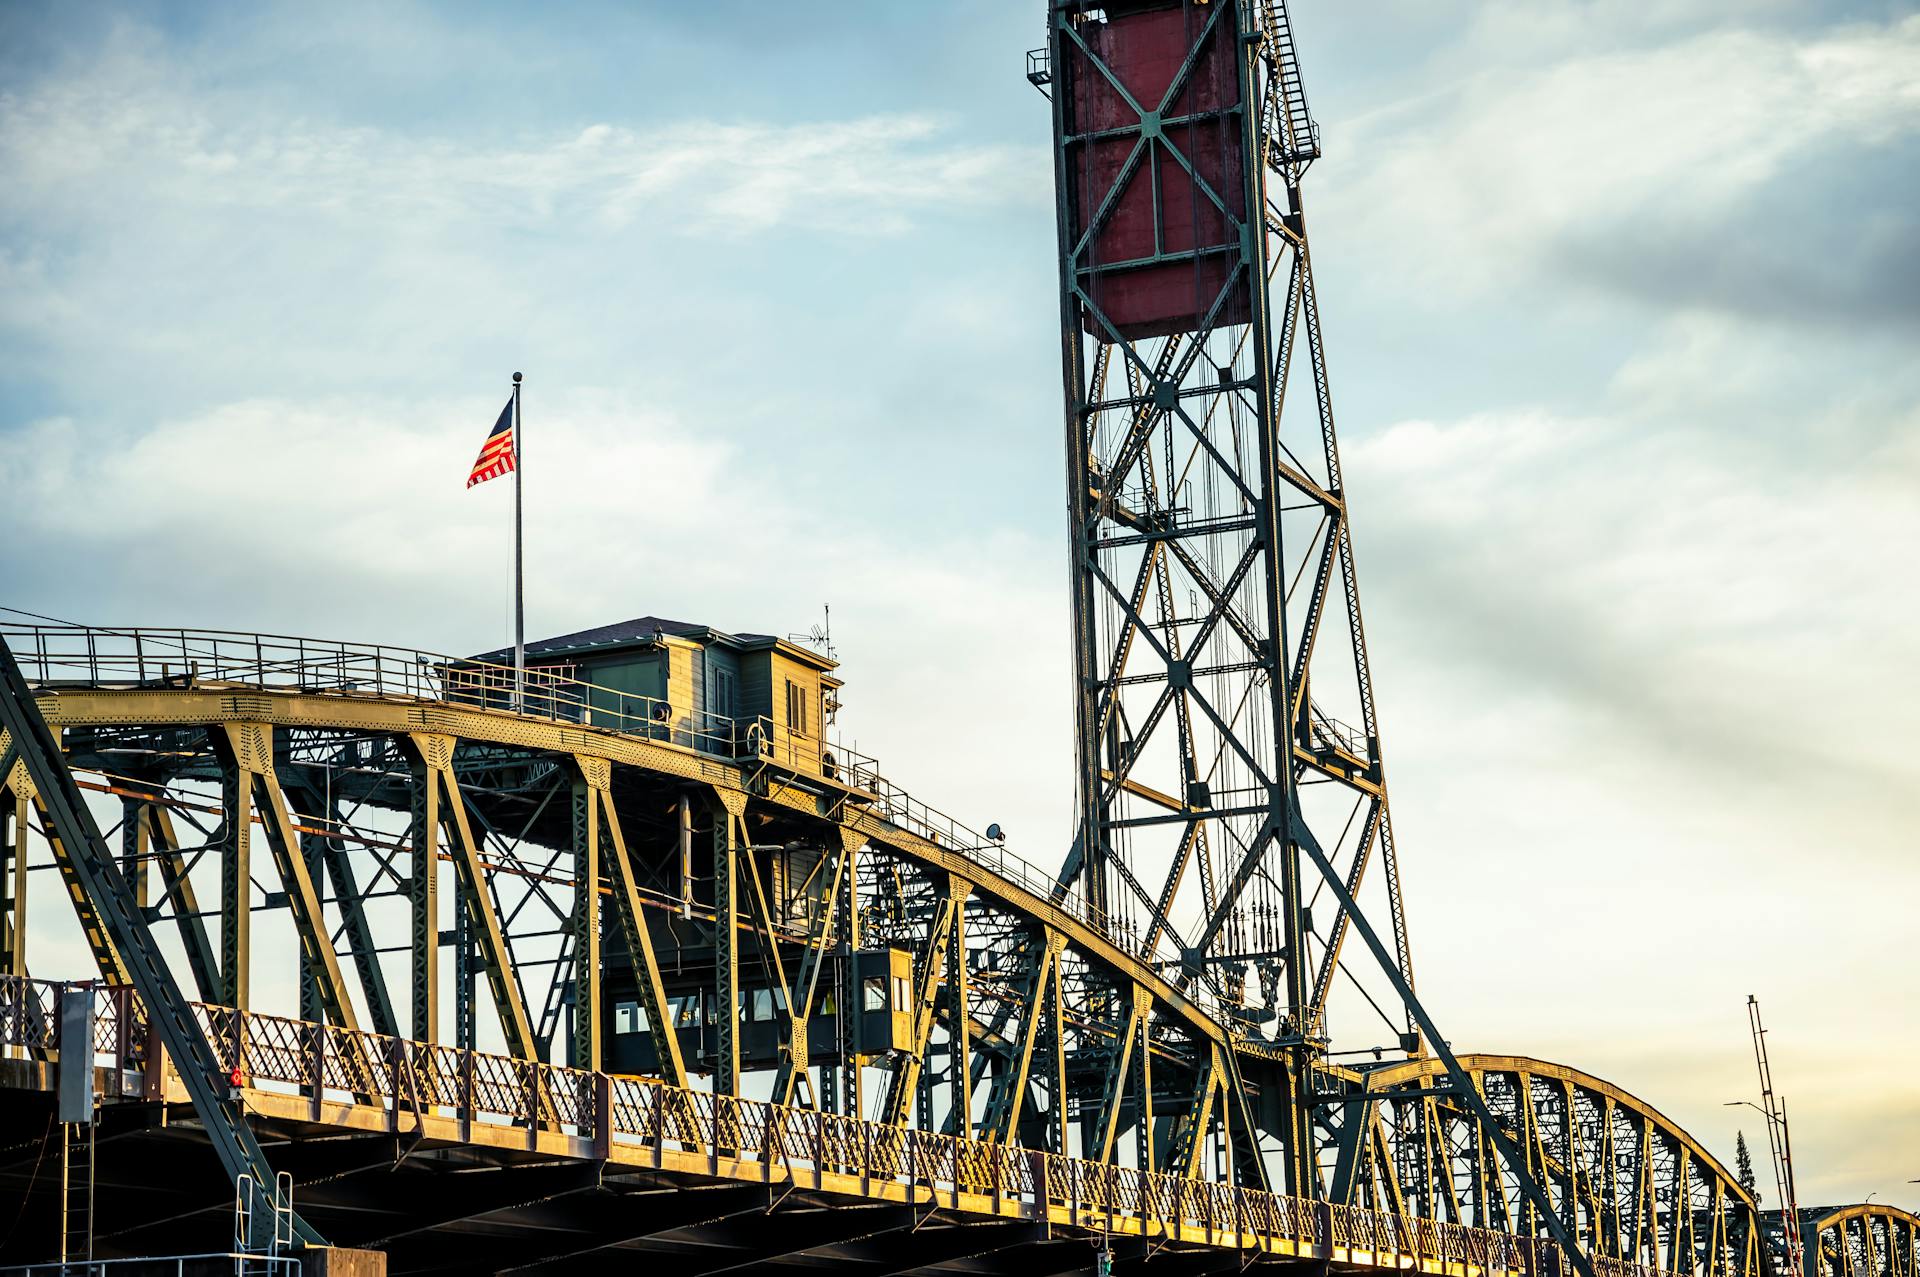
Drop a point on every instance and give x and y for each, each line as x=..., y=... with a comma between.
x=519, y=576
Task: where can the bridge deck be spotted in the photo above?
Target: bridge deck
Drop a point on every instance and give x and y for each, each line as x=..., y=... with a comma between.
x=481, y=1141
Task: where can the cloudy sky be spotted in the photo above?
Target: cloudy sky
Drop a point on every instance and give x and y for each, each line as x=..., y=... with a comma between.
x=1622, y=304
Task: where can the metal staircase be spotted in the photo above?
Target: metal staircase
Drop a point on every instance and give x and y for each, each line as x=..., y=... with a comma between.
x=1289, y=120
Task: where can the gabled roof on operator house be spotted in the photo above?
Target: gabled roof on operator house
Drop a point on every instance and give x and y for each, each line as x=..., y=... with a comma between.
x=645, y=630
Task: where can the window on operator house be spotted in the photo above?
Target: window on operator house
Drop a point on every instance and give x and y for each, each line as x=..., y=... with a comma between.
x=796, y=708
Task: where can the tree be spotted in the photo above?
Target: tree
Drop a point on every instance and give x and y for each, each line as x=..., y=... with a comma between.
x=1743, y=1167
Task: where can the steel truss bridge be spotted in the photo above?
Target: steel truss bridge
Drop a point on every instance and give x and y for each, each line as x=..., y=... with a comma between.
x=550, y=984
x=1087, y=1116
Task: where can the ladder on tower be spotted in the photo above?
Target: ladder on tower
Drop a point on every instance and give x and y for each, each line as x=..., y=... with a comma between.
x=76, y=1192
x=1780, y=1143
x=1289, y=121
x=260, y=1245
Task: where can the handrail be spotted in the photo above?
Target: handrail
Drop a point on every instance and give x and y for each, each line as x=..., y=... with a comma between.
x=278, y=1055
x=56, y=656
x=141, y=656
x=147, y=1265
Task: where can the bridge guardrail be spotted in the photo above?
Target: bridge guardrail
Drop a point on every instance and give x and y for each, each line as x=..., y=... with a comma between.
x=326, y=1063
x=144, y=656
x=55, y=655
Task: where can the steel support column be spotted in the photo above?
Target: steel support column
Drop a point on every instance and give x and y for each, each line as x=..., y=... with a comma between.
x=16, y=805
x=235, y=841
x=959, y=1020
x=1001, y=1122
x=1120, y=1074
x=177, y=893
x=423, y=897
x=597, y=774
x=584, y=921
x=475, y=901
x=728, y=842
x=806, y=982
x=908, y=1065
x=314, y=936
x=347, y=896
x=840, y=1086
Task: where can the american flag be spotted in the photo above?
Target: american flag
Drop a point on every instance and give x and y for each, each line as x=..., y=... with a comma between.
x=496, y=454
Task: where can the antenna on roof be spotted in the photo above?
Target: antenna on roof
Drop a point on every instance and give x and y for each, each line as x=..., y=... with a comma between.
x=819, y=637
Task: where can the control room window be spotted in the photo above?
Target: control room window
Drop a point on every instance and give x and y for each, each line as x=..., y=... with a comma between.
x=759, y=1004
x=629, y=1017
x=873, y=993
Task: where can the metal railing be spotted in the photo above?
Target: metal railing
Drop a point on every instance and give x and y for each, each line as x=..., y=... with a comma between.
x=1343, y=736
x=56, y=656
x=244, y=1265
x=409, y=1082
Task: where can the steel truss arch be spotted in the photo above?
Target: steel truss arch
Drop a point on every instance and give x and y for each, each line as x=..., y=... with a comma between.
x=1071, y=1044
x=1627, y=1181
x=1862, y=1240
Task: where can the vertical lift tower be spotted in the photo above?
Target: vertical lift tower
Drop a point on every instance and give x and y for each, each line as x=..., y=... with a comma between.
x=1221, y=676
x=1228, y=756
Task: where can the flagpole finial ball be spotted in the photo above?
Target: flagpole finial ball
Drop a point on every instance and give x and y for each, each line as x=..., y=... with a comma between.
x=516, y=377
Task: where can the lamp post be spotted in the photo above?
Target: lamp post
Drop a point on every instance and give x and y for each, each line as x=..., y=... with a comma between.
x=1777, y=1133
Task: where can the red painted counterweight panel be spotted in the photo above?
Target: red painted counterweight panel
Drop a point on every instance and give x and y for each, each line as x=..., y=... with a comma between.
x=1158, y=209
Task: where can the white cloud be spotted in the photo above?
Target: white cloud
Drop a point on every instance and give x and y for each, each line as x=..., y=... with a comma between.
x=1663, y=577
x=349, y=520
x=1470, y=187
x=1648, y=700
x=1643, y=662
x=131, y=124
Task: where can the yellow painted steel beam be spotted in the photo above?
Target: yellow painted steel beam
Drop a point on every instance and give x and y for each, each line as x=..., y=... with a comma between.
x=176, y=891
x=26, y=804
x=375, y=715
x=1107, y=1121
x=647, y=1125
x=315, y=937
x=1410, y=1072
x=1352, y=769
x=16, y=807
x=1007, y=1122
x=1166, y=801
x=806, y=987
x=437, y=751
x=904, y=1082
x=633, y=923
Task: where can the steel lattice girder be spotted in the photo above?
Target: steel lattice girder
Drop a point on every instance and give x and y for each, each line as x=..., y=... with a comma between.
x=1185, y=486
x=107, y=905
x=1193, y=709
x=1865, y=1240
x=359, y=777
x=1622, y=1178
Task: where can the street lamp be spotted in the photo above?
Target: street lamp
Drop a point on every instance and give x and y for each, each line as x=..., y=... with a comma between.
x=1782, y=1146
